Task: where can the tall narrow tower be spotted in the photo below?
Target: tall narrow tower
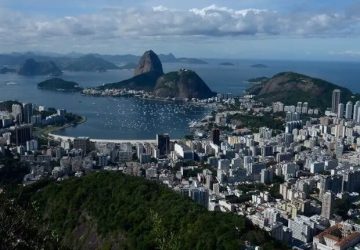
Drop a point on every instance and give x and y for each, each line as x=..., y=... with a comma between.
x=335, y=100
x=327, y=205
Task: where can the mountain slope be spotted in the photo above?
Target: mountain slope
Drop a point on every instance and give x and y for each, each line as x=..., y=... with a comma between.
x=182, y=84
x=114, y=211
x=32, y=68
x=145, y=81
x=290, y=88
x=89, y=63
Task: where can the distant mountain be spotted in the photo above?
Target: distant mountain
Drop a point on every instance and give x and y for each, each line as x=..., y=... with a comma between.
x=58, y=84
x=6, y=70
x=190, y=60
x=149, y=76
x=226, y=64
x=182, y=84
x=259, y=66
x=128, y=66
x=32, y=68
x=62, y=60
x=89, y=63
x=170, y=58
x=290, y=88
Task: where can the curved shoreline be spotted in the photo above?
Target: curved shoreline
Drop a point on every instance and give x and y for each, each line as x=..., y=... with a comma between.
x=118, y=141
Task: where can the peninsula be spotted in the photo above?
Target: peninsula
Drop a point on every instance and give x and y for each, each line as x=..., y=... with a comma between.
x=150, y=78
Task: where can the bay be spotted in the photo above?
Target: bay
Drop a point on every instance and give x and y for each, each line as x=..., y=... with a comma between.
x=132, y=118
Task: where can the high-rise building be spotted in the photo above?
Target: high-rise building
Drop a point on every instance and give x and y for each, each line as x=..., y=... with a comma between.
x=335, y=100
x=27, y=112
x=340, y=110
x=216, y=136
x=355, y=110
x=327, y=205
x=349, y=110
x=17, y=112
x=163, y=142
x=21, y=134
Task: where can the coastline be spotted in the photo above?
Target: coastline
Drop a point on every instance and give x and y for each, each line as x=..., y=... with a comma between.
x=117, y=141
x=46, y=132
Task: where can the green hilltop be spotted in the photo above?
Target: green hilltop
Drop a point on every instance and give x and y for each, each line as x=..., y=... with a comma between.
x=113, y=211
x=291, y=87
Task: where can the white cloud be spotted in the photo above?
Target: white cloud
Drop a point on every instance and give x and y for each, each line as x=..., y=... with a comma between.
x=159, y=21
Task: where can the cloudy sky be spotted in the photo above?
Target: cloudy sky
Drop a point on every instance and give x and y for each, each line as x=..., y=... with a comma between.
x=269, y=29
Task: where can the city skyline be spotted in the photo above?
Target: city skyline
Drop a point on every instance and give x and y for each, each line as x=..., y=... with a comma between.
x=306, y=30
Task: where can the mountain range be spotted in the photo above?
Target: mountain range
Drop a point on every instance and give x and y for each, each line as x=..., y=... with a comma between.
x=72, y=61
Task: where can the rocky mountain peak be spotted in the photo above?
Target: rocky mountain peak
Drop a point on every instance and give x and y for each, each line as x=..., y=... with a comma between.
x=149, y=62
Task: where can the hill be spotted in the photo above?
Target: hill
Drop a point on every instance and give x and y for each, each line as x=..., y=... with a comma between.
x=89, y=63
x=145, y=81
x=32, y=68
x=114, y=211
x=149, y=76
x=290, y=88
x=58, y=84
x=182, y=84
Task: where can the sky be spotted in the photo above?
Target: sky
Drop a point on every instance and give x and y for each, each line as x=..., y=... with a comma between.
x=238, y=29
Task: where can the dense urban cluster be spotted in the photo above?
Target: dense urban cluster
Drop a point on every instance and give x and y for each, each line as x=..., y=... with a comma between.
x=298, y=181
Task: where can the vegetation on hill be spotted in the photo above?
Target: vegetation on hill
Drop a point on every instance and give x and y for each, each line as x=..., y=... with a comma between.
x=59, y=84
x=113, y=211
x=145, y=81
x=290, y=88
x=182, y=84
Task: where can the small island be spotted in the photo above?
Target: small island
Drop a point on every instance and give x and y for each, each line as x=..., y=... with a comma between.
x=58, y=84
x=259, y=65
x=260, y=79
x=226, y=64
x=6, y=70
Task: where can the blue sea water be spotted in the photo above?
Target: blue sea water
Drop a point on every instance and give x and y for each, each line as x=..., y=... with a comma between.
x=131, y=118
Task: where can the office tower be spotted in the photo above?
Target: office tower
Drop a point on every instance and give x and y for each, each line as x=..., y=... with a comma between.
x=349, y=110
x=216, y=136
x=163, y=142
x=335, y=100
x=27, y=112
x=17, y=112
x=327, y=205
x=340, y=110
x=355, y=110
x=358, y=116
x=305, y=108
x=21, y=134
